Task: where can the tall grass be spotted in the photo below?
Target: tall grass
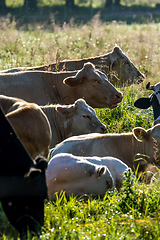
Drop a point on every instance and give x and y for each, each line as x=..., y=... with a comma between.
x=132, y=213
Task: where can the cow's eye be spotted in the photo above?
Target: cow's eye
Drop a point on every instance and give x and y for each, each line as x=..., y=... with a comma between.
x=87, y=117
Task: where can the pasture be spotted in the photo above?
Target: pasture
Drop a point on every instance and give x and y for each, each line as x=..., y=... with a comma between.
x=134, y=213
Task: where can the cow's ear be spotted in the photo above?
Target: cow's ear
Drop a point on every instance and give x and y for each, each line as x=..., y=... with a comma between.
x=140, y=134
x=65, y=111
x=142, y=103
x=100, y=171
x=71, y=81
x=113, y=63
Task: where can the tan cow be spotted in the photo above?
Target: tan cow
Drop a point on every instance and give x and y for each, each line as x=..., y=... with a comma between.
x=32, y=127
x=116, y=65
x=49, y=88
x=65, y=120
x=122, y=146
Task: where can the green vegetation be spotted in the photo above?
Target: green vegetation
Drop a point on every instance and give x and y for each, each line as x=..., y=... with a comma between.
x=134, y=212
x=85, y=3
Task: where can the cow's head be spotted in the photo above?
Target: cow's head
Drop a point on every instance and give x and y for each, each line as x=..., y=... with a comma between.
x=80, y=118
x=121, y=66
x=93, y=86
x=151, y=140
x=153, y=100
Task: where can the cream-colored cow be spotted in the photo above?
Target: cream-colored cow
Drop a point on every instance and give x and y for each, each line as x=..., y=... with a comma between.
x=70, y=120
x=123, y=146
x=116, y=65
x=49, y=88
x=77, y=176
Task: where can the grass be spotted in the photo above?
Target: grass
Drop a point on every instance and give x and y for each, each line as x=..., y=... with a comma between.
x=134, y=212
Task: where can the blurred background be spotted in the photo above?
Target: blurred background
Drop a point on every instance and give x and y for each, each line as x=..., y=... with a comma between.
x=65, y=9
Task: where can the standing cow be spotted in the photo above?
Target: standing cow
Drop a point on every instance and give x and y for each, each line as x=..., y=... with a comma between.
x=116, y=65
x=49, y=88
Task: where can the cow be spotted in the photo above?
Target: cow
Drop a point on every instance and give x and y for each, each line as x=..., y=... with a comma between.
x=58, y=164
x=23, y=186
x=116, y=65
x=123, y=146
x=69, y=120
x=48, y=88
x=32, y=127
x=77, y=176
x=153, y=100
x=62, y=122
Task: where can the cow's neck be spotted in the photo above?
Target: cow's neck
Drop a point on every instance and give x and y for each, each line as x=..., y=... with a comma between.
x=126, y=147
x=63, y=94
x=132, y=146
x=6, y=105
x=59, y=132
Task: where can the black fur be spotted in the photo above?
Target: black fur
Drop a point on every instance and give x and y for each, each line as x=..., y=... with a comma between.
x=22, y=183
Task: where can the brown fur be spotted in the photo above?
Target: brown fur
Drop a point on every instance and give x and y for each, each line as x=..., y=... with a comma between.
x=33, y=129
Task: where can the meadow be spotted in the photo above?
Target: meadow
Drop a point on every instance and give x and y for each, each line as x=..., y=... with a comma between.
x=134, y=212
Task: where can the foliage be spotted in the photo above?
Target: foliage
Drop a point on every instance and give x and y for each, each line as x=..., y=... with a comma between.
x=133, y=212
x=95, y=3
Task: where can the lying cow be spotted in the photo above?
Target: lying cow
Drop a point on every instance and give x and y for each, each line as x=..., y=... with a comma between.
x=32, y=127
x=69, y=120
x=49, y=88
x=60, y=161
x=113, y=63
x=77, y=176
x=64, y=120
x=153, y=100
x=122, y=146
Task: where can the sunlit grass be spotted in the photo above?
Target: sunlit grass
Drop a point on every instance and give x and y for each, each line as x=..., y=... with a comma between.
x=132, y=213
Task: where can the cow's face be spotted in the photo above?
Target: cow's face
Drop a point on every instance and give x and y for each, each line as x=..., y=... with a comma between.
x=80, y=118
x=85, y=119
x=153, y=100
x=123, y=68
x=151, y=137
x=94, y=87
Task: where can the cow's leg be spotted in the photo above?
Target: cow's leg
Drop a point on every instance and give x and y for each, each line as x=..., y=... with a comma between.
x=25, y=212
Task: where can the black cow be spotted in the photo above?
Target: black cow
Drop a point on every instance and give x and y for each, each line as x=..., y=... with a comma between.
x=22, y=183
x=153, y=100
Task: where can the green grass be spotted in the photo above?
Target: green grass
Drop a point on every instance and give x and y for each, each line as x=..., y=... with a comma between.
x=134, y=212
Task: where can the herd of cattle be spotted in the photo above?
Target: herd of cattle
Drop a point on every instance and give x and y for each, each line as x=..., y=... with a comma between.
x=51, y=110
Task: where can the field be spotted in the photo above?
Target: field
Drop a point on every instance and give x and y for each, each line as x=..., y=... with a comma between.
x=134, y=212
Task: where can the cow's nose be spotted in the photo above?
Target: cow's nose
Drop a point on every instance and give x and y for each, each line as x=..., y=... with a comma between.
x=103, y=129
x=118, y=96
x=140, y=77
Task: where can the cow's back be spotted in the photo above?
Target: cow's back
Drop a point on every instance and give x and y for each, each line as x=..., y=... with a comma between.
x=29, y=86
